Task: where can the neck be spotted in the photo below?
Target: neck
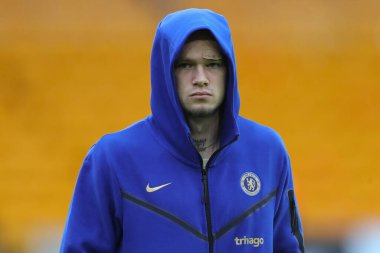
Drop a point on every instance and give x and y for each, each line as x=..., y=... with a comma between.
x=205, y=134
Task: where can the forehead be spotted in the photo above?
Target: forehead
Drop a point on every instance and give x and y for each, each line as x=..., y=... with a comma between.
x=205, y=49
x=201, y=43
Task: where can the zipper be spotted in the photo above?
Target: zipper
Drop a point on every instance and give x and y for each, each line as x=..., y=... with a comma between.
x=206, y=196
x=294, y=220
x=206, y=199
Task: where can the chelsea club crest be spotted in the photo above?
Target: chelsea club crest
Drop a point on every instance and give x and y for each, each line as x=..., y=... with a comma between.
x=250, y=183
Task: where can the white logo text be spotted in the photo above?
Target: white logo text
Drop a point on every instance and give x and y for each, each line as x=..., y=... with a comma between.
x=256, y=242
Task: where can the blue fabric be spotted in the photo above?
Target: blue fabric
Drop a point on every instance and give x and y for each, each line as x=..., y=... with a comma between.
x=111, y=210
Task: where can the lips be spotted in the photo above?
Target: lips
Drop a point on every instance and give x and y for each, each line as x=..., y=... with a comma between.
x=200, y=94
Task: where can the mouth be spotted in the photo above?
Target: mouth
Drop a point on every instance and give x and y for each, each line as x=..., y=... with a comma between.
x=200, y=94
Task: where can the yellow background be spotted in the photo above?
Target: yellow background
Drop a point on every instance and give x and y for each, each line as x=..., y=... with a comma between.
x=71, y=71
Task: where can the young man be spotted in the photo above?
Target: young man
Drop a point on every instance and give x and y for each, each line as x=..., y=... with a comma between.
x=194, y=176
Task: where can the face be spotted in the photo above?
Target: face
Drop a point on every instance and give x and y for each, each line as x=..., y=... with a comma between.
x=200, y=74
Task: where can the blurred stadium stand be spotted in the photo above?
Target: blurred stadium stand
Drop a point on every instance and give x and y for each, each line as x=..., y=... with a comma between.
x=71, y=71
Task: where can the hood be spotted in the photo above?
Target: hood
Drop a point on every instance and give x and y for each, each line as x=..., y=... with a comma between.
x=167, y=115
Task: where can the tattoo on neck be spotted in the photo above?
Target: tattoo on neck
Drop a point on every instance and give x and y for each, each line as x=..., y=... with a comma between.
x=200, y=144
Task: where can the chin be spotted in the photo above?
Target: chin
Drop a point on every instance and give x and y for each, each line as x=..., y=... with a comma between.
x=201, y=112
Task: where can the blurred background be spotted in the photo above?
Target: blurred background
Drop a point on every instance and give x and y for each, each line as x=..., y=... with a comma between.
x=72, y=71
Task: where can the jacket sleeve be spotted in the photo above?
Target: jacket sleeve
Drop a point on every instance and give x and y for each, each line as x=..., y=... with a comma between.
x=93, y=223
x=288, y=235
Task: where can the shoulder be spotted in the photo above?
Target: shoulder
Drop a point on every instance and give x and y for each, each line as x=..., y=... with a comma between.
x=124, y=139
x=262, y=135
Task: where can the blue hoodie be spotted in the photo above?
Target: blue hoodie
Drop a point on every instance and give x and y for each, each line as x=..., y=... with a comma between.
x=143, y=189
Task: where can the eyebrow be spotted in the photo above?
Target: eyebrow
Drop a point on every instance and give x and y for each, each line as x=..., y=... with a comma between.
x=221, y=59
x=213, y=59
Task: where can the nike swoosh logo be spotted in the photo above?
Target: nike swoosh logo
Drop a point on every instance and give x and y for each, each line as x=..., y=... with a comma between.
x=153, y=189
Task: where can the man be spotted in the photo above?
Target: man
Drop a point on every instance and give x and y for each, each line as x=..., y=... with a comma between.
x=194, y=176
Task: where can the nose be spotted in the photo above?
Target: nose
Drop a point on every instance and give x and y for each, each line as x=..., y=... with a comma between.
x=200, y=77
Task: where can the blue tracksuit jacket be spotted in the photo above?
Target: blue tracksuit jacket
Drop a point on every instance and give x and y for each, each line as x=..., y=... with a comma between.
x=143, y=189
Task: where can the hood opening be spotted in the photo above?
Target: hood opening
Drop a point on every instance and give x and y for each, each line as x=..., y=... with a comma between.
x=172, y=33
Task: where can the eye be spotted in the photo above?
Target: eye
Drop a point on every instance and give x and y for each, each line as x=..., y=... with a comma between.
x=183, y=65
x=215, y=65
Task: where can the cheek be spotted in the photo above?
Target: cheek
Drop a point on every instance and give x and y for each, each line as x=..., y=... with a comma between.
x=181, y=80
x=221, y=85
x=178, y=84
x=181, y=89
x=222, y=90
